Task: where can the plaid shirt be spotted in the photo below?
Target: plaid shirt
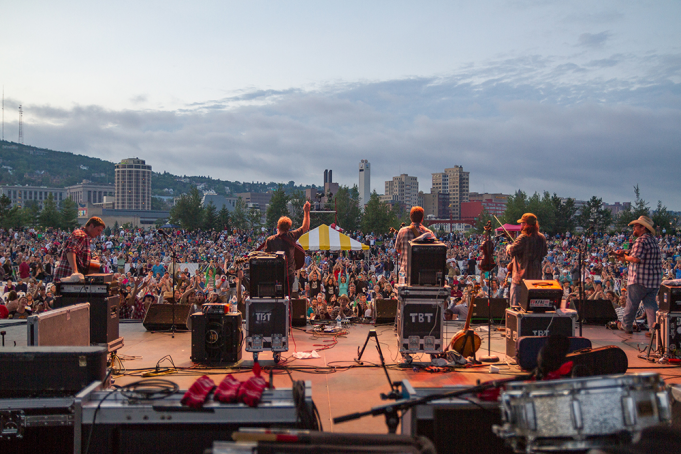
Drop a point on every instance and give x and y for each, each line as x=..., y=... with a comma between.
x=647, y=272
x=404, y=236
x=78, y=242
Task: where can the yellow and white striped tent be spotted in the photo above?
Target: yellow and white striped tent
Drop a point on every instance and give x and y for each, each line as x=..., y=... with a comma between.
x=324, y=238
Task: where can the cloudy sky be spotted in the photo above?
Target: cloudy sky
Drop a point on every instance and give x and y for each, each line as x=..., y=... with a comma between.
x=579, y=98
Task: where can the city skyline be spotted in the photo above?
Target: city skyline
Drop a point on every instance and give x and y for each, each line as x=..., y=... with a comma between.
x=575, y=98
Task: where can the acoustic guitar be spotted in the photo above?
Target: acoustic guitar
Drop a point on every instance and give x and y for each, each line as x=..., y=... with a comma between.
x=466, y=342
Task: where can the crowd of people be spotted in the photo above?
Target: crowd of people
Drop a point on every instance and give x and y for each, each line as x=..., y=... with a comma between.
x=335, y=284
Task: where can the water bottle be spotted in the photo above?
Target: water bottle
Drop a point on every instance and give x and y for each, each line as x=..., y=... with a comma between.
x=232, y=304
x=338, y=321
x=403, y=277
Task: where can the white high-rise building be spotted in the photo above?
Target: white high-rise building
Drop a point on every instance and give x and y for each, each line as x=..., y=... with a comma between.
x=133, y=185
x=455, y=183
x=364, y=182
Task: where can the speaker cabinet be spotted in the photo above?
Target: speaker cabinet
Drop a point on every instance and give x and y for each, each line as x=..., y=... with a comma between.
x=427, y=264
x=160, y=317
x=385, y=311
x=267, y=276
x=299, y=312
x=103, y=314
x=496, y=309
x=670, y=298
x=216, y=338
x=598, y=312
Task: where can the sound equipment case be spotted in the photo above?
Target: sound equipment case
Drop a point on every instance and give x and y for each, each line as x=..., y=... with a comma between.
x=427, y=264
x=669, y=339
x=120, y=425
x=267, y=325
x=669, y=298
x=520, y=324
x=216, y=338
x=420, y=319
x=461, y=425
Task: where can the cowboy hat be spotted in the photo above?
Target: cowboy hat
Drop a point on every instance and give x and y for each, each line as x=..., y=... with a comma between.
x=645, y=222
x=528, y=218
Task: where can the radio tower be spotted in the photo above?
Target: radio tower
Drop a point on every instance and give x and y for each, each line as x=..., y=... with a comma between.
x=21, y=125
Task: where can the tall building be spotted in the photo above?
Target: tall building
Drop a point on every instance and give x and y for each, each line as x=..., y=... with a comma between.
x=403, y=189
x=364, y=182
x=133, y=185
x=453, y=182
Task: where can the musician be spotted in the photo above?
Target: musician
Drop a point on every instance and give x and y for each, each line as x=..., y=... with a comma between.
x=278, y=243
x=644, y=275
x=408, y=233
x=75, y=255
x=527, y=253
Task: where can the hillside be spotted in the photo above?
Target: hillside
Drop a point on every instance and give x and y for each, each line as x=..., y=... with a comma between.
x=27, y=165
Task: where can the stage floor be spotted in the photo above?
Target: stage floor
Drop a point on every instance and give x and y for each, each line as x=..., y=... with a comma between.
x=339, y=385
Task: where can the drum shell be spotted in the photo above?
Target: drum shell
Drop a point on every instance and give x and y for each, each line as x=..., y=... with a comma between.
x=586, y=407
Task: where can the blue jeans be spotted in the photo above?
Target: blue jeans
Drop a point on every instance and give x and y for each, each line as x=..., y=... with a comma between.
x=513, y=295
x=636, y=293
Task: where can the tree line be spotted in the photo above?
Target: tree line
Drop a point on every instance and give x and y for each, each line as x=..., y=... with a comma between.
x=59, y=216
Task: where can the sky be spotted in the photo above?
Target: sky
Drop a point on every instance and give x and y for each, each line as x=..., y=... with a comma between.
x=576, y=98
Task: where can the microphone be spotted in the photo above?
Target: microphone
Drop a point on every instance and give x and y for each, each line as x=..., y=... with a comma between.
x=163, y=232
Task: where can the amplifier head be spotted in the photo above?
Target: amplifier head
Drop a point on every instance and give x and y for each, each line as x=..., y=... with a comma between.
x=540, y=296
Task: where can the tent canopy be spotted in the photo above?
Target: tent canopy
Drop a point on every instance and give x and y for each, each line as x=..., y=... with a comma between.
x=509, y=227
x=324, y=238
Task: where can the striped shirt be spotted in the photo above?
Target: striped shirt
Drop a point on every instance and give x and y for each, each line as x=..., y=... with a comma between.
x=647, y=272
x=404, y=236
x=78, y=243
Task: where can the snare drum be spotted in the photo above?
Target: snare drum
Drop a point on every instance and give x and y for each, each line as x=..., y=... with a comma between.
x=582, y=413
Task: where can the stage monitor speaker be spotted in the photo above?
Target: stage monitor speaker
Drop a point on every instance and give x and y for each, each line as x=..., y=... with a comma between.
x=104, y=317
x=216, y=338
x=427, y=264
x=267, y=276
x=50, y=371
x=160, y=317
x=670, y=298
x=540, y=296
x=385, y=311
x=299, y=312
x=597, y=312
x=497, y=308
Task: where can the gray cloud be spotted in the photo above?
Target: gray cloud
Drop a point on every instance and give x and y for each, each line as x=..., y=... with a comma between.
x=593, y=39
x=514, y=123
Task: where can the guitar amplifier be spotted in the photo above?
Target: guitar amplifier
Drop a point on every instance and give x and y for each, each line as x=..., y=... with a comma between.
x=104, y=316
x=669, y=298
x=540, y=296
x=267, y=276
x=669, y=339
x=427, y=264
x=216, y=337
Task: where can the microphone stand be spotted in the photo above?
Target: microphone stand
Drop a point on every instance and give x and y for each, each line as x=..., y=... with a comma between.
x=489, y=358
x=581, y=286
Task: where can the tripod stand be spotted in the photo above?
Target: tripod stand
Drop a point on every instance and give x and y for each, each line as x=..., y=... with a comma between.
x=394, y=386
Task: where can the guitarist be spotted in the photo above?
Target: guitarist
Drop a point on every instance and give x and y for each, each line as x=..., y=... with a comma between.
x=75, y=255
x=285, y=240
x=408, y=233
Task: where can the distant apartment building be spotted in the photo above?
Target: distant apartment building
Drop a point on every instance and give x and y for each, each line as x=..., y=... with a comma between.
x=21, y=195
x=92, y=193
x=494, y=204
x=455, y=183
x=364, y=182
x=403, y=189
x=258, y=200
x=133, y=185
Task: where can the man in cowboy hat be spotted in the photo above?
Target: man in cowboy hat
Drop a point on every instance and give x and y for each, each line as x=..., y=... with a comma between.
x=644, y=275
x=526, y=253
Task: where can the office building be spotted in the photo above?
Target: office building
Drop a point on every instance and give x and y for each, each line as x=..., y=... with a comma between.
x=21, y=195
x=92, y=193
x=133, y=185
x=403, y=189
x=455, y=183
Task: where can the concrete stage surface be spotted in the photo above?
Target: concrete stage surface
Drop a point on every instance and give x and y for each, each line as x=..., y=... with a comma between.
x=339, y=385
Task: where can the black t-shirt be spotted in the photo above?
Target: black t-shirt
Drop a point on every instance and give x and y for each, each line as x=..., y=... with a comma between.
x=314, y=287
x=276, y=243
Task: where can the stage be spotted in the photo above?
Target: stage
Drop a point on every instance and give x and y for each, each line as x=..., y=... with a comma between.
x=339, y=384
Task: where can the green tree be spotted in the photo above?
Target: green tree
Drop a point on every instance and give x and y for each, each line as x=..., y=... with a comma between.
x=594, y=216
x=378, y=216
x=347, y=204
x=254, y=218
x=565, y=212
x=210, y=216
x=30, y=212
x=188, y=212
x=159, y=204
x=516, y=206
x=662, y=218
x=239, y=215
x=640, y=207
x=297, y=199
x=223, y=218
x=68, y=213
x=10, y=216
x=482, y=220
x=278, y=206
x=49, y=216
